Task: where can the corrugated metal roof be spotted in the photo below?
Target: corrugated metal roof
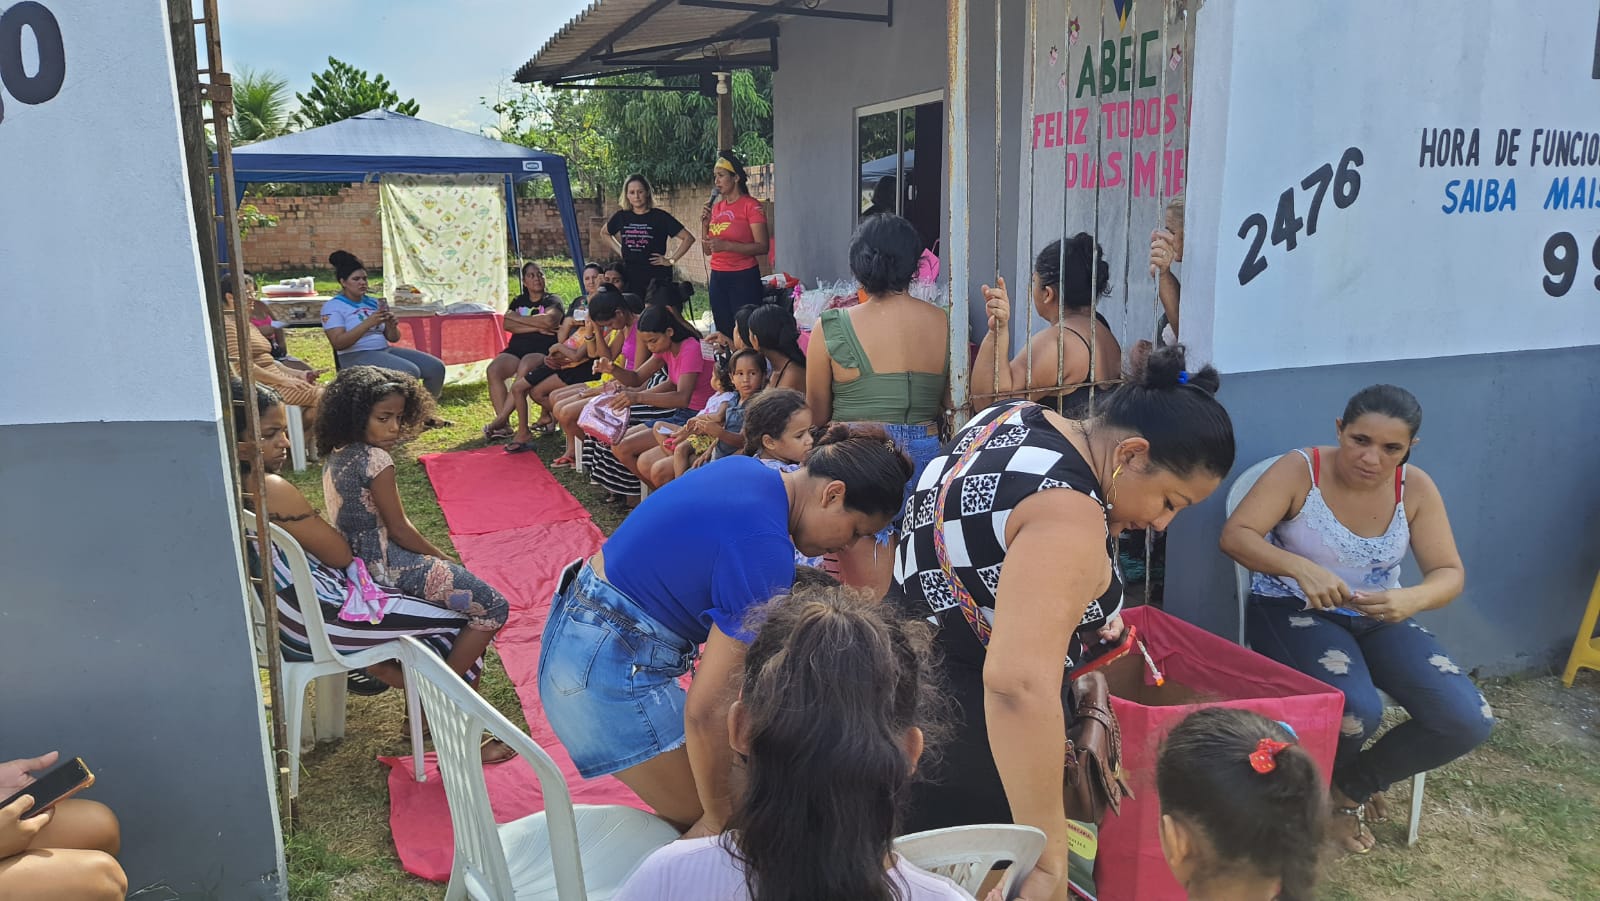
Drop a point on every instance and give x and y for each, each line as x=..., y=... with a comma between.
x=617, y=26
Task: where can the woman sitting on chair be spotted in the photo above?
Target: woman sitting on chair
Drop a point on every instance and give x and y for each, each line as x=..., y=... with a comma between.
x=1324, y=531
x=534, y=320
x=328, y=552
x=363, y=329
x=297, y=387
x=836, y=695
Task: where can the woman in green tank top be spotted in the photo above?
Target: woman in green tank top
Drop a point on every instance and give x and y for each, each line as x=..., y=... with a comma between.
x=885, y=362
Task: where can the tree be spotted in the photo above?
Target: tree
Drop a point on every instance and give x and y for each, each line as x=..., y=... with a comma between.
x=564, y=122
x=260, y=106
x=342, y=91
x=671, y=137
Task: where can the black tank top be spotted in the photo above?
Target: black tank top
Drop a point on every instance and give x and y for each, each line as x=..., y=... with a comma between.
x=1022, y=458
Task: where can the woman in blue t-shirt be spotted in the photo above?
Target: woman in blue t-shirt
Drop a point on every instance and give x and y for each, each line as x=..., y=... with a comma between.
x=361, y=328
x=625, y=625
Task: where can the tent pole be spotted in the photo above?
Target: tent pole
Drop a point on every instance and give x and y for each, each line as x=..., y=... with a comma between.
x=569, y=214
x=515, y=236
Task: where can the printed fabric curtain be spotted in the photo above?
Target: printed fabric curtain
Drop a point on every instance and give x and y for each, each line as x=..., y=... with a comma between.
x=446, y=235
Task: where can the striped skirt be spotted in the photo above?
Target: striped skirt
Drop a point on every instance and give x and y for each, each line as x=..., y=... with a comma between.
x=433, y=625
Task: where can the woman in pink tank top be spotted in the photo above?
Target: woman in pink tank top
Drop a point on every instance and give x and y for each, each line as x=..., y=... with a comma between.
x=1324, y=531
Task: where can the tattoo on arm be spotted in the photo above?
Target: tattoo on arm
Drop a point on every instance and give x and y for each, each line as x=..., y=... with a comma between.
x=276, y=517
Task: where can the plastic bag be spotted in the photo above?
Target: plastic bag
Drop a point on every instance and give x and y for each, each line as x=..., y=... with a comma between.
x=602, y=422
x=364, y=600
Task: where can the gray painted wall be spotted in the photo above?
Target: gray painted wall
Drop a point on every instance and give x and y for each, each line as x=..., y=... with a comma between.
x=127, y=644
x=829, y=69
x=1511, y=439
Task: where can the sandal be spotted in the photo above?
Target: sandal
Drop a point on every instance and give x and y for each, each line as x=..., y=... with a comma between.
x=517, y=447
x=563, y=460
x=492, y=750
x=499, y=434
x=360, y=682
x=1360, y=837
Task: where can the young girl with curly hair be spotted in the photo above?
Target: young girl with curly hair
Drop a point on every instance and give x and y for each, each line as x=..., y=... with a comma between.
x=366, y=413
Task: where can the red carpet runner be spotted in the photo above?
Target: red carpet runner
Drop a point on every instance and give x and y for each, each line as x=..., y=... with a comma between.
x=515, y=527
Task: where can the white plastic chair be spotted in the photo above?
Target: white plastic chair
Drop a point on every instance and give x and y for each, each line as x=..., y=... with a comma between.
x=966, y=854
x=327, y=666
x=564, y=852
x=1241, y=580
x=297, y=437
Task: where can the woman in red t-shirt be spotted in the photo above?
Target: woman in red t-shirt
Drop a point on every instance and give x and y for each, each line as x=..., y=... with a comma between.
x=734, y=232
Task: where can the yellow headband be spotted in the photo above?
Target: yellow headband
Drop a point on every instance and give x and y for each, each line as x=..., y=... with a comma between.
x=723, y=164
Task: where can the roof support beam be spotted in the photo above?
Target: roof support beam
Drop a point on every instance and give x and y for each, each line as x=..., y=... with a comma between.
x=769, y=30
x=617, y=34
x=886, y=17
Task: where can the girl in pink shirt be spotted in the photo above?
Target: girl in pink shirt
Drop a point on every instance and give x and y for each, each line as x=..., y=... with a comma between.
x=684, y=392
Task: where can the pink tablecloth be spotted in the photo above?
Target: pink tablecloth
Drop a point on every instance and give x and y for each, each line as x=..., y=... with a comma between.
x=455, y=337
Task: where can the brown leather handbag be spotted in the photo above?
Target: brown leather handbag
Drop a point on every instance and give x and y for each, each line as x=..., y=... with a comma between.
x=1092, y=778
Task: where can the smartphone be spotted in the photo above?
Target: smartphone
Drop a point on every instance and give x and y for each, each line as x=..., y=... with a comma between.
x=581, y=314
x=1103, y=652
x=58, y=783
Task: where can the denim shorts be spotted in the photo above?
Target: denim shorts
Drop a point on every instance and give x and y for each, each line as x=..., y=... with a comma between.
x=921, y=444
x=608, y=676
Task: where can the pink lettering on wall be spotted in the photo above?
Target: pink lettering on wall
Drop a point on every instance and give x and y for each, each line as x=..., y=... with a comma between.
x=1123, y=120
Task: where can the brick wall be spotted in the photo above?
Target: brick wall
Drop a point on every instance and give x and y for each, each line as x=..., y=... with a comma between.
x=310, y=228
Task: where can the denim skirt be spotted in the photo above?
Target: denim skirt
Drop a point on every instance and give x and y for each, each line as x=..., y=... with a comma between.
x=609, y=676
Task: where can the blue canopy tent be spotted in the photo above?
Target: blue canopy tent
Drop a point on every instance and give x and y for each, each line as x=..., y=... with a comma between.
x=362, y=148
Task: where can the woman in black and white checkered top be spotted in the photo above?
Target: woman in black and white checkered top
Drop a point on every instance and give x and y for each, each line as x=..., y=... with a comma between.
x=1039, y=565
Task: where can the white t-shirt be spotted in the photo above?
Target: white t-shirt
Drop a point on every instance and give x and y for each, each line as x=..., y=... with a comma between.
x=717, y=402
x=703, y=869
x=341, y=313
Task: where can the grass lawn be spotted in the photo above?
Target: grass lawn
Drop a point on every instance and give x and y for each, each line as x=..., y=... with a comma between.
x=1519, y=818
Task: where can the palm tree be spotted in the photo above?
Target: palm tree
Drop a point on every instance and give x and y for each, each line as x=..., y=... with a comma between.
x=260, y=106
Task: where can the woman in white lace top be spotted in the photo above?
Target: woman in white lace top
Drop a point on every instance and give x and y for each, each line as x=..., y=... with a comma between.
x=1325, y=531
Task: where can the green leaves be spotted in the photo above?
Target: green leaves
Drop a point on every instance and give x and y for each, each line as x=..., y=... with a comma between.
x=260, y=106
x=669, y=136
x=342, y=91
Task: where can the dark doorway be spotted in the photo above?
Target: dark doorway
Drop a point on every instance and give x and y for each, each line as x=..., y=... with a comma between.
x=900, y=165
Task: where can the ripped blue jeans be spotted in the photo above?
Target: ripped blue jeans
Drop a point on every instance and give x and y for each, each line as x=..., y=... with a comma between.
x=1359, y=655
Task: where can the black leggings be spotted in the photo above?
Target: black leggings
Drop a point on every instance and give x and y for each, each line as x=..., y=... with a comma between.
x=731, y=290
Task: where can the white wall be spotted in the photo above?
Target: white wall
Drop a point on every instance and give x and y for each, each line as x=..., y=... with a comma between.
x=1282, y=88
x=102, y=325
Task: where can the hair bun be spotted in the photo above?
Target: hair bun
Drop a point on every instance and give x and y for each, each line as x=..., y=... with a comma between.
x=833, y=433
x=1165, y=369
x=343, y=258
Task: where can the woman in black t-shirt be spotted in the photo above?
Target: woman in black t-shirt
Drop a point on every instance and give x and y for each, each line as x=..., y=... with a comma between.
x=640, y=231
x=533, y=319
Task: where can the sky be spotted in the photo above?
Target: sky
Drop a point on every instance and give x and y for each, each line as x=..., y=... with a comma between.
x=447, y=56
